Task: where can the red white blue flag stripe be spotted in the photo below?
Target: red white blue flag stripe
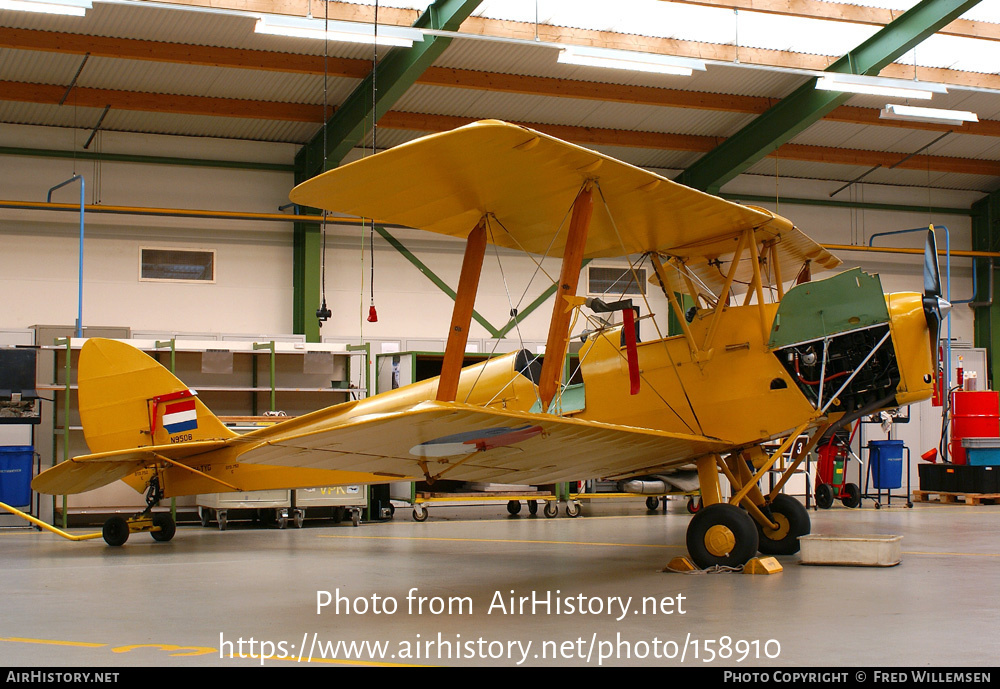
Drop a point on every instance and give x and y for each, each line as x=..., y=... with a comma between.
x=180, y=416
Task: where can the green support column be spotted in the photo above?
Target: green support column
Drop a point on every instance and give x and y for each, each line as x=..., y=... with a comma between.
x=986, y=237
x=306, y=279
x=395, y=73
x=807, y=105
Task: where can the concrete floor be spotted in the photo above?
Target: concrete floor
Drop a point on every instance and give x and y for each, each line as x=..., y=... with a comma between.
x=177, y=604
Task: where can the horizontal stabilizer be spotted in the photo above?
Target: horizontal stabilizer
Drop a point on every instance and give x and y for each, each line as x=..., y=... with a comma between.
x=450, y=440
x=88, y=472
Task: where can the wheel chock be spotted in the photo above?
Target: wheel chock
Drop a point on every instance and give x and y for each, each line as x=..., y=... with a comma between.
x=762, y=565
x=680, y=564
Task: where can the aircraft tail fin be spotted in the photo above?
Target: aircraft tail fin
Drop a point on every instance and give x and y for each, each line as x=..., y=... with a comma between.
x=128, y=400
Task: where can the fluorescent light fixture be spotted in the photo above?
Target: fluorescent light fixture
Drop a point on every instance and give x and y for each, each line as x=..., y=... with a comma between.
x=72, y=8
x=935, y=115
x=629, y=59
x=878, y=86
x=346, y=32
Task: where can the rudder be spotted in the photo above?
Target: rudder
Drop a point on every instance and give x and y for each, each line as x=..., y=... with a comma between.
x=127, y=400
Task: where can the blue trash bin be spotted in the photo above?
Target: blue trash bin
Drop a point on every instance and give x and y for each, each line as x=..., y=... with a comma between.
x=886, y=460
x=15, y=474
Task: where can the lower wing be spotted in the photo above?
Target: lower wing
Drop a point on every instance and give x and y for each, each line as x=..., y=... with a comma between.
x=450, y=440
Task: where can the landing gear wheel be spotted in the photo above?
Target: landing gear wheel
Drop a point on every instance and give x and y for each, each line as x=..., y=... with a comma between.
x=694, y=506
x=532, y=507
x=652, y=503
x=551, y=509
x=167, y=527
x=572, y=509
x=792, y=520
x=853, y=498
x=721, y=534
x=419, y=514
x=824, y=496
x=115, y=531
x=513, y=507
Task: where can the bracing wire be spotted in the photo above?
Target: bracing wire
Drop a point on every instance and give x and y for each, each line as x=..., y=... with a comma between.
x=666, y=348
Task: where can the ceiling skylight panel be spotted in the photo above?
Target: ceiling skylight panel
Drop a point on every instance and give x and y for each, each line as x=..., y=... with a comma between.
x=801, y=35
x=513, y=10
x=954, y=52
x=686, y=22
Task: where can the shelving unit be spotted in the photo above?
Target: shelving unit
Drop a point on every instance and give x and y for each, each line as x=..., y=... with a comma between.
x=265, y=375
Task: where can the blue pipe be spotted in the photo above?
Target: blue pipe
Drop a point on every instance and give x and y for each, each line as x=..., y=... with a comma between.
x=79, y=297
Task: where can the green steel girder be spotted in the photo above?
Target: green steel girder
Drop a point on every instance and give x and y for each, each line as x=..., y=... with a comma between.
x=395, y=73
x=986, y=237
x=306, y=278
x=807, y=105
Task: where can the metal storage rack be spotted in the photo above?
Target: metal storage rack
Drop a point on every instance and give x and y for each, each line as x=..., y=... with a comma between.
x=261, y=379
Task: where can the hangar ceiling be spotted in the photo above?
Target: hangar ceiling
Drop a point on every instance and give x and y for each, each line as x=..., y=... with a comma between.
x=183, y=68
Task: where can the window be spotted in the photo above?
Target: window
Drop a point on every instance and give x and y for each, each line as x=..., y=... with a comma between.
x=178, y=265
x=615, y=281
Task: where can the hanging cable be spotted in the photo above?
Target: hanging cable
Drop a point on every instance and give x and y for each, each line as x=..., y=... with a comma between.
x=372, y=314
x=323, y=313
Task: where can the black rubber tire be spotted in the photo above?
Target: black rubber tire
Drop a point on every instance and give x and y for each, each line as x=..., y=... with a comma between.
x=694, y=505
x=572, y=509
x=205, y=516
x=794, y=518
x=853, y=498
x=338, y=514
x=167, y=527
x=739, y=523
x=652, y=503
x=513, y=507
x=824, y=496
x=115, y=531
x=532, y=507
x=419, y=515
x=551, y=509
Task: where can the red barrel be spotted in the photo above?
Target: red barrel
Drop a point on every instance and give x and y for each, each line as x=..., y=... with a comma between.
x=973, y=415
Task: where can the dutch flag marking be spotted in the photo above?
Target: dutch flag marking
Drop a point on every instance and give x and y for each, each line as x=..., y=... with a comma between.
x=180, y=416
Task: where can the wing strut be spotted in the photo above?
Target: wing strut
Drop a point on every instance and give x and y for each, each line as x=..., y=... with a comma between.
x=569, y=278
x=461, y=315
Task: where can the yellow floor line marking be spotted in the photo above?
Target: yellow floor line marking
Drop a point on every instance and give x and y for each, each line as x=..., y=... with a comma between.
x=920, y=552
x=51, y=642
x=124, y=649
x=501, y=540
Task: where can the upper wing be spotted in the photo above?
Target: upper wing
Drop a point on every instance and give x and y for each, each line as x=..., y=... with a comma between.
x=457, y=441
x=709, y=260
x=527, y=180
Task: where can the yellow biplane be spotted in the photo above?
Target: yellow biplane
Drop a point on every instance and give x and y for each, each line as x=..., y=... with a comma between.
x=745, y=371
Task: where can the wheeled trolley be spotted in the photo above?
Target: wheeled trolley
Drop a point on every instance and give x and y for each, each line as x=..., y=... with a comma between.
x=264, y=506
x=336, y=502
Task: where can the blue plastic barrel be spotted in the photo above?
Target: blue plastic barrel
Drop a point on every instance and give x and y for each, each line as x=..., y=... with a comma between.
x=15, y=474
x=886, y=458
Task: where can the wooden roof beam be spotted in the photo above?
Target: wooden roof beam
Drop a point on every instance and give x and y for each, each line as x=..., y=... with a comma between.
x=26, y=39
x=50, y=94
x=843, y=12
